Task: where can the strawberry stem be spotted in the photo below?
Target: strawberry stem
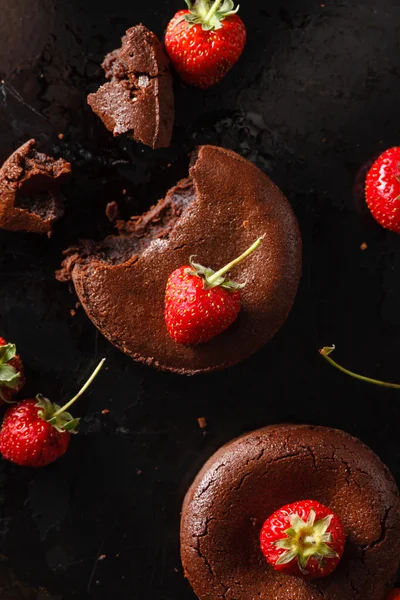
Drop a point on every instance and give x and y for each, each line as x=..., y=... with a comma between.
x=212, y=11
x=326, y=351
x=228, y=267
x=81, y=391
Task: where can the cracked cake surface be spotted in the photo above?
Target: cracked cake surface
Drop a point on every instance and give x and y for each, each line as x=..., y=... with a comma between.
x=224, y=205
x=138, y=98
x=30, y=198
x=245, y=481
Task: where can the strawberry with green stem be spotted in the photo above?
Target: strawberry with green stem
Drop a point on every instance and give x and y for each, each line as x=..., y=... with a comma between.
x=36, y=432
x=205, y=41
x=305, y=539
x=12, y=377
x=201, y=303
x=327, y=351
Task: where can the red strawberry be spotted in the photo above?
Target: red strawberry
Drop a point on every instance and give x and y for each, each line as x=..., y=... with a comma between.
x=204, y=42
x=382, y=189
x=36, y=432
x=201, y=303
x=12, y=378
x=393, y=595
x=305, y=539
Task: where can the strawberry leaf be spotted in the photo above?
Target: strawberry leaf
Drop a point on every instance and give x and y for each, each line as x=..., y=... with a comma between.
x=71, y=426
x=7, y=353
x=206, y=274
x=9, y=377
x=208, y=14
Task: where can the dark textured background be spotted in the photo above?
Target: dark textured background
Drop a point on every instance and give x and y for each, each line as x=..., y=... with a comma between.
x=315, y=96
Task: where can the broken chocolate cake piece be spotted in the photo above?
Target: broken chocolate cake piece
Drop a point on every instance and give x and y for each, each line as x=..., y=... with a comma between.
x=138, y=100
x=30, y=198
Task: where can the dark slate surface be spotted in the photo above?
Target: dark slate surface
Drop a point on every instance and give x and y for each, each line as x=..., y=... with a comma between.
x=315, y=96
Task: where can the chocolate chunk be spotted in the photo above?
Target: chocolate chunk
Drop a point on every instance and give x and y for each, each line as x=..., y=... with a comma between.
x=138, y=100
x=30, y=198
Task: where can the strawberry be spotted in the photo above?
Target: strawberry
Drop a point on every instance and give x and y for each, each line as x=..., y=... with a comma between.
x=12, y=377
x=204, y=42
x=382, y=189
x=201, y=303
x=36, y=432
x=393, y=595
x=305, y=539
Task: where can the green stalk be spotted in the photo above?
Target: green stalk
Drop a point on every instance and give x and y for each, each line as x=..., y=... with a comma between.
x=212, y=11
x=325, y=352
x=81, y=391
x=221, y=272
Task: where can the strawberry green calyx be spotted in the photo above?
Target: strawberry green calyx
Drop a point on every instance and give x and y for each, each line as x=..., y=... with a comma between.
x=306, y=540
x=9, y=376
x=63, y=422
x=214, y=279
x=209, y=14
x=58, y=416
x=327, y=350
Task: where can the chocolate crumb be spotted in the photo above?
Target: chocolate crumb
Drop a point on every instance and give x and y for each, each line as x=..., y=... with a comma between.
x=112, y=211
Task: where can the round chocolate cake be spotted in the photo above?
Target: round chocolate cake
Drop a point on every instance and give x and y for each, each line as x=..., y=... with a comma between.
x=251, y=477
x=215, y=214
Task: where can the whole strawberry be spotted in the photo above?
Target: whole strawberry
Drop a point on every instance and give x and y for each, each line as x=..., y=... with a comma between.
x=305, y=539
x=393, y=595
x=201, y=303
x=204, y=42
x=12, y=378
x=382, y=189
x=36, y=432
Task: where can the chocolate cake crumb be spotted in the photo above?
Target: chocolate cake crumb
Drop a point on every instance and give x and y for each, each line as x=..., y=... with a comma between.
x=30, y=198
x=138, y=98
x=112, y=211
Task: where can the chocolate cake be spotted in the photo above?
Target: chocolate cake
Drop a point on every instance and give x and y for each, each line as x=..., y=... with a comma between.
x=30, y=198
x=138, y=100
x=216, y=213
x=251, y=477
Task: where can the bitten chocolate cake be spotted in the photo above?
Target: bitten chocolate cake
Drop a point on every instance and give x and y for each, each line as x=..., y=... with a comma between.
x=138, y=100
x=30, y=198
x=224, y=205
x=251, y=477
